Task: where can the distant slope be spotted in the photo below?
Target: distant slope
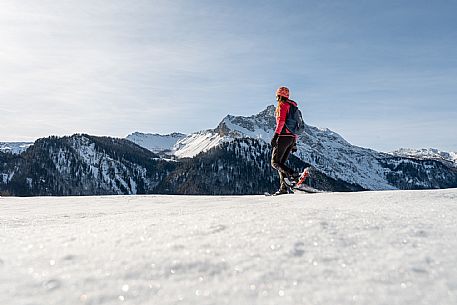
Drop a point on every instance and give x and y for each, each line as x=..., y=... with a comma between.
x=155, y=142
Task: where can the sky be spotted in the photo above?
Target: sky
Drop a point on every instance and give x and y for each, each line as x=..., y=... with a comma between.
x=383, y=74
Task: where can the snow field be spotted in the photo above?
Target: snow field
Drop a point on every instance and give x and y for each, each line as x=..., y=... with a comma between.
x=391, y=247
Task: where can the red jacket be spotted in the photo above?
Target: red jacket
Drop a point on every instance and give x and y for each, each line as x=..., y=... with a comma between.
x=281, y=115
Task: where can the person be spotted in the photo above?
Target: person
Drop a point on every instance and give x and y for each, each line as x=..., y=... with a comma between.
x=283, y=141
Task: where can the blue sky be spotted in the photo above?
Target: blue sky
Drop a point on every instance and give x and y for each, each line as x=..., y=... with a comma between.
x=383, y=74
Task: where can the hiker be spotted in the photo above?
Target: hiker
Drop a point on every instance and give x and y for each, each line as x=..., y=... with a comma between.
x=283, y=141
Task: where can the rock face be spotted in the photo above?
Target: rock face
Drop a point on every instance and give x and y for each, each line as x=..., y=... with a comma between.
x=233, y=158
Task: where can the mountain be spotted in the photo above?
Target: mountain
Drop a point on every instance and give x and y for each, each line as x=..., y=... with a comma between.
x=89, y=165
x=82, y=165
x=329, y=153
x=427, y=154
x=14, y=147
x=231, y=159
x=259, y=126
x=155, y=142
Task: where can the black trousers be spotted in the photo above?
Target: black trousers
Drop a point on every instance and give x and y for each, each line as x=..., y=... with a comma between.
x=279, y=157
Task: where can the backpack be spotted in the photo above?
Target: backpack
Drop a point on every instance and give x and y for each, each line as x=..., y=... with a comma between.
x=294, y=120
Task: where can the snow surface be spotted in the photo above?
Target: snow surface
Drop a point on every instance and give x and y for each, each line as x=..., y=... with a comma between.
x=391, y=247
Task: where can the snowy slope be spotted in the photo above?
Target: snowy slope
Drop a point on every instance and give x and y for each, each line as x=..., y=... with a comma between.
x=14, y=147
x=330, y=153
x=155, y=142
x=427, y=153
x=257, y=126
x=198, y=142
x=371, y=248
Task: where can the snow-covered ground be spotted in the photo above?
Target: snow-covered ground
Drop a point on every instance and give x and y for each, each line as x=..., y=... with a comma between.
x=391, y=247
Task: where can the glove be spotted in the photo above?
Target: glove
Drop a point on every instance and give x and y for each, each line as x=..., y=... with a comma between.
x=274, y=140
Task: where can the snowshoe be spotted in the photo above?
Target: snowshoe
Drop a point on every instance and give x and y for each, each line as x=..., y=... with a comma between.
x=297, y=179
x=300, y=184
x=303, y=176
x=307, y=189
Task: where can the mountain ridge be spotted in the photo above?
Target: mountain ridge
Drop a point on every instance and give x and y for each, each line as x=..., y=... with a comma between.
x=323, y=148
x=88, y=165
x=231, y=159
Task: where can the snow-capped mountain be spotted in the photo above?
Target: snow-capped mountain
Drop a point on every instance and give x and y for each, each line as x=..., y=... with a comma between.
x=233, y=158
x=427, y=153
x=326, y=150
x=323, y=148
x=155, y=142
x=259, y=126
x=89, y=165
x=14, y=147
